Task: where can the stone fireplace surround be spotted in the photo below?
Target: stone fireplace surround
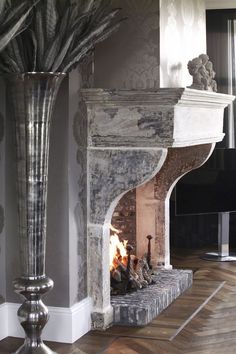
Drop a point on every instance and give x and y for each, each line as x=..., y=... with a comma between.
x=144, y=139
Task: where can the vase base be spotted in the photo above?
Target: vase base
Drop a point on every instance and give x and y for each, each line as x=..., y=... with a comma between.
x=42, y=349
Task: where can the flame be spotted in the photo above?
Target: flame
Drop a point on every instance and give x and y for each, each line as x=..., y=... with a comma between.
x=117, y=249
x=112, y=228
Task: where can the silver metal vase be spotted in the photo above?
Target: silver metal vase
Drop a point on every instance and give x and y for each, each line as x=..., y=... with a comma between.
x=32, y=97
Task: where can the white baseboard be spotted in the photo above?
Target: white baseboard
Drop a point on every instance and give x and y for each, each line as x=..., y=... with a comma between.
x=66, y=325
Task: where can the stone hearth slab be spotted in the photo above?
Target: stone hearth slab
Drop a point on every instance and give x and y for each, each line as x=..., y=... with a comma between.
x=141, y=307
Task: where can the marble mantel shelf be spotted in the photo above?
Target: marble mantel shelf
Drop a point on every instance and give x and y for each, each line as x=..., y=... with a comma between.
x=166, y=117
x=155, y=96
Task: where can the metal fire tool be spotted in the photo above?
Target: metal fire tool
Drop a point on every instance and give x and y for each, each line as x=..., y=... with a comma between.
x=149, y=237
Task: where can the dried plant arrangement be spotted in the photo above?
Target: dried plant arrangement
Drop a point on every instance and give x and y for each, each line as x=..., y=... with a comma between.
x=13, y=15
x=59, y=35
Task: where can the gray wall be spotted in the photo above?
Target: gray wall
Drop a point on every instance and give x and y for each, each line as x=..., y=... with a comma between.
x=82, y=77
x=130, y=57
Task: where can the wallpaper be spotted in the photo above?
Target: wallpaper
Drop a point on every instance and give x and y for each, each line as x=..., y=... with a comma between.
x=182, y=37
x=130, y=57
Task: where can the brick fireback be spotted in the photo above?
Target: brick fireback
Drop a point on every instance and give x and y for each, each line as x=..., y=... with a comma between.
x=124, y=216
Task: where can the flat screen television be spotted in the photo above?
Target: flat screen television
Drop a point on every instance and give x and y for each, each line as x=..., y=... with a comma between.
x=211, y=188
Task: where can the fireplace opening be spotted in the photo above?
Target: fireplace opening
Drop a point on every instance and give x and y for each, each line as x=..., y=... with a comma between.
x=141, y=287
x=128, y=272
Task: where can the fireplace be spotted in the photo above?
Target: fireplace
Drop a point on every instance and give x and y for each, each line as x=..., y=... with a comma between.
x=141, y=141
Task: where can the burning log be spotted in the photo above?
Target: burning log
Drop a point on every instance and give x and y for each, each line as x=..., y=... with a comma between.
x=137, y=277
x=128, y=273
x=124, y=280
x=116, y=275
x=147, y=272
x=139, y=271
x=129, y=248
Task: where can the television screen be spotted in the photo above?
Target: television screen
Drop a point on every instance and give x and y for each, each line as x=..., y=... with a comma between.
x=211, y=188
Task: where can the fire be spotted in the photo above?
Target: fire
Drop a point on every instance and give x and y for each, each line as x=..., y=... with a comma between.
x=117, y=249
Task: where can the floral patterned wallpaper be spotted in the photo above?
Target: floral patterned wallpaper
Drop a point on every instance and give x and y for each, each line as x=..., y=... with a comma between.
x=130, y=58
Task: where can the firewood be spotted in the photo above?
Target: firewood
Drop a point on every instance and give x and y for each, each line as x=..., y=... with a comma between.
x=147, y=273
x=139, y=271
x=116, y=275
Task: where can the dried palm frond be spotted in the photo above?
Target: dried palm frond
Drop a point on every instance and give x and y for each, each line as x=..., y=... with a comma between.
x=13, y=15
x=60, y=35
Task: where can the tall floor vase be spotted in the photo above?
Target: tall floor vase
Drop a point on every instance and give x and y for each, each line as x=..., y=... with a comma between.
x=32, y=97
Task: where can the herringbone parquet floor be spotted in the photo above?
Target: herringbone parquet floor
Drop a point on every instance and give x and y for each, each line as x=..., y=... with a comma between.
x=212, y=329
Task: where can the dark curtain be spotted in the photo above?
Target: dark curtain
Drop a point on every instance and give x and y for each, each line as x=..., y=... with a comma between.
x=221, y=47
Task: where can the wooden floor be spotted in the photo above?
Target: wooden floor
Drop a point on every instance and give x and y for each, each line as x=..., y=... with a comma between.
x=202, y=321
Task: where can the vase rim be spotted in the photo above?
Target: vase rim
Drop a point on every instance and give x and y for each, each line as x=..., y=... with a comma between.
x=36, y=73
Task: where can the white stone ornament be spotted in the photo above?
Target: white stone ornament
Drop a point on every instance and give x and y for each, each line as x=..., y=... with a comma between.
x=201, y=69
